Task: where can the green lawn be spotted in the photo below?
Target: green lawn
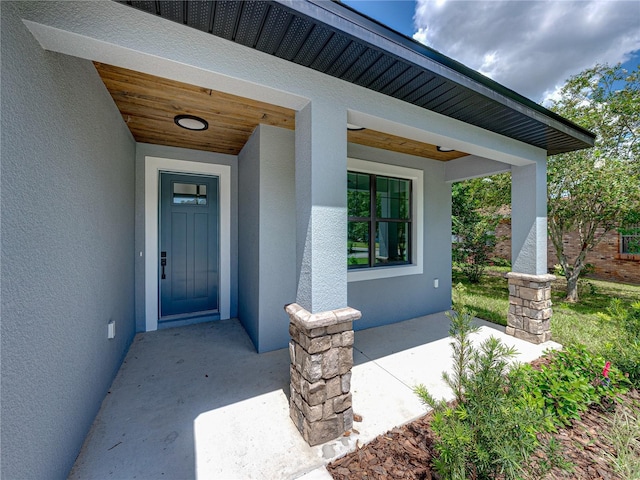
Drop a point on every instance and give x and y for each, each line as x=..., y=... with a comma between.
x=571, y=323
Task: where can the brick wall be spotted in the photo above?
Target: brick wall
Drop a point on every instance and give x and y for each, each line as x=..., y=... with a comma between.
x=608, y=262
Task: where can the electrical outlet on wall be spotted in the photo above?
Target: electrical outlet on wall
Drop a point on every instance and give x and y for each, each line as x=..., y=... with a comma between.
x=111, y=329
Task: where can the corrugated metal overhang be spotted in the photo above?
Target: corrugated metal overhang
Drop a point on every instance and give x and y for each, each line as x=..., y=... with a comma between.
x=336, y=40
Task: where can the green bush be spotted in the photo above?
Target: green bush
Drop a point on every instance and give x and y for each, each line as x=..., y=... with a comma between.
x=500, y=262
x=627, y=358
x=571, y=382
x=474, y=233
x=624, y=350
x=491, y=428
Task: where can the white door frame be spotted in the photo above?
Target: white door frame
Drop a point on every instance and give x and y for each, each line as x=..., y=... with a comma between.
x=152, y=168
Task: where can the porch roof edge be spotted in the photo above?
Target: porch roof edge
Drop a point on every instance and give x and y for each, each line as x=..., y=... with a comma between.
x=335, y=39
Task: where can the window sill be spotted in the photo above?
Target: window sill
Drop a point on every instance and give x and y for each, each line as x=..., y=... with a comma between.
x=383, y=272
x=633, y=257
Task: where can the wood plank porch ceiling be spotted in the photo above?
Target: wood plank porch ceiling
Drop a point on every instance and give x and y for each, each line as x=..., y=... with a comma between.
x=148, y=105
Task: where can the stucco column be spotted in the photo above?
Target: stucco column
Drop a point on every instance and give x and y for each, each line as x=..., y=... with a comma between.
x=321, y=206
x=529, y=284
x=320, y=326
x=529, y=218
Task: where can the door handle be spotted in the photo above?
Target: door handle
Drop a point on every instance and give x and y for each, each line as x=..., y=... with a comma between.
x=163, y=263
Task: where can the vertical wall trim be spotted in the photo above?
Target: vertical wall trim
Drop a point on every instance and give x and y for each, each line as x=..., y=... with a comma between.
x=152, y=168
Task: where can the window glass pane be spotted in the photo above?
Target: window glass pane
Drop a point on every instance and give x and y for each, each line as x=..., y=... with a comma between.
x=185, y=188
x=363, y=181
x=630, y=240
x=390, y=227
x=189, y=194
x=391, y=242
x=358, y=195
x=393, y=186
x=392, y=198
x=358, y=244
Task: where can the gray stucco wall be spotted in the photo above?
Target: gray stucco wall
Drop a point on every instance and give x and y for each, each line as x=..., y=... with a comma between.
x=143, y=150
x=267, y=225
x=67, y=224
x=267, y=222
x=277, y=235
x=249, y=237
x=390, y=300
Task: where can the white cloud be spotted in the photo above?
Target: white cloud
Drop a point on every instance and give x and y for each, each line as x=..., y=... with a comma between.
x=531, y=47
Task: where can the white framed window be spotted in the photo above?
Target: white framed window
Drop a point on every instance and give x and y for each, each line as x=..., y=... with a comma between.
x=386, y=212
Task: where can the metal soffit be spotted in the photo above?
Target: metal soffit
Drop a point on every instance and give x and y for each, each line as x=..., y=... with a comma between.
x=336, y=40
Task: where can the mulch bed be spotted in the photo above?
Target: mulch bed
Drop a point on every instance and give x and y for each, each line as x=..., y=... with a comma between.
x=406, y=452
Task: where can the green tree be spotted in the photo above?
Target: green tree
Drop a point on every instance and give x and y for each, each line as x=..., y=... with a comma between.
x=594, y=191
x=473, y=230
x=490, y=193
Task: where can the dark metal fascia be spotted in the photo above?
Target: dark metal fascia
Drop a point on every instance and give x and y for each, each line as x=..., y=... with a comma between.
x=339, y=16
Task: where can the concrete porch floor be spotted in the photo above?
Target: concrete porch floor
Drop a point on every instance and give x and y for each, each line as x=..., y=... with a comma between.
x=199, y=402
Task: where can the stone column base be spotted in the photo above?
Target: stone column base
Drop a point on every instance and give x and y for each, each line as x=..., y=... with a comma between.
x=321, y=350
x=529, y=316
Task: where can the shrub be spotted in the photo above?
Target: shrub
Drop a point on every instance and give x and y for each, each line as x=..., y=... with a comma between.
x=491, y=428
x=475, y=242
x=624, y=351
x=627, y=357
x=474, y=233
x=572, y=382
x=500, y=262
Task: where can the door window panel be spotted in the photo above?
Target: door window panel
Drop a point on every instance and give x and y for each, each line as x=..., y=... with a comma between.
x=189, y=194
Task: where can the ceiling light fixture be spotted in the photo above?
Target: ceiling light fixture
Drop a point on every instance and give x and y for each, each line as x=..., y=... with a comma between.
x=354, y=128
x=445, y=149
x=191, y=122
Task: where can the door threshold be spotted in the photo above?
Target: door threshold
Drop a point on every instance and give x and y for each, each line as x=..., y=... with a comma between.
x=182, y=320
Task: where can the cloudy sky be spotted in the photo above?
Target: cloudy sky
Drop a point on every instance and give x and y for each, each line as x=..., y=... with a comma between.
x=531, y=47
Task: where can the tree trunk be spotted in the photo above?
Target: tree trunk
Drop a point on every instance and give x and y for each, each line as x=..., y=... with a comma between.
x=572, y=287
x=573, y=274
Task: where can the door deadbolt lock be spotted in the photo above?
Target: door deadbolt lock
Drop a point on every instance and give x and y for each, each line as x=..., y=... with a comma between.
x=163, y=263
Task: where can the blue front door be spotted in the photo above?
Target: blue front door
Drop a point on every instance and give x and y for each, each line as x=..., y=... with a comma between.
x=189, y=246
